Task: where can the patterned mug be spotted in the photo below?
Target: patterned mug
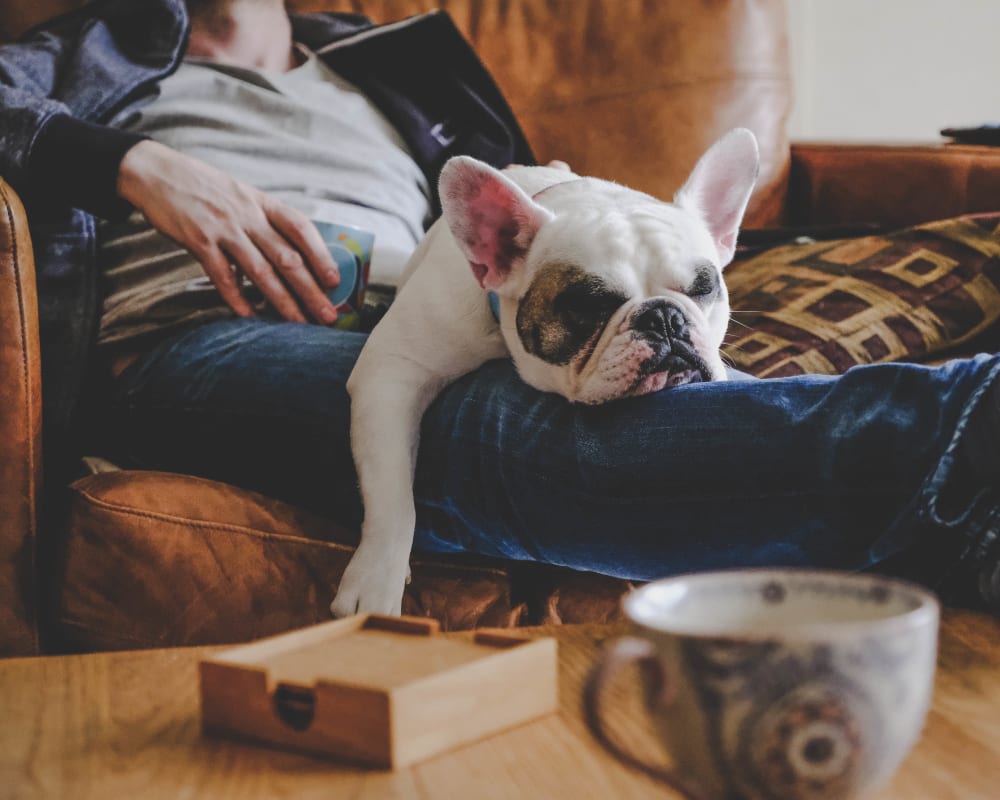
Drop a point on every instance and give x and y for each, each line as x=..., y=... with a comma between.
x=351, y=249
x=764, y=684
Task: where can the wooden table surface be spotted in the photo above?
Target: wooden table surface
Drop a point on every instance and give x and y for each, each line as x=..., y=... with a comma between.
x=125, y=725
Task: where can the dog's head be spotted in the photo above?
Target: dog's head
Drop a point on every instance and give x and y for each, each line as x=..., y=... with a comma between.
x=605, y=292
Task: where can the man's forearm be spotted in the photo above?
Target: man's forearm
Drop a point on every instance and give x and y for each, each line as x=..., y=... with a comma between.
x=86, y=65
x=76, y=163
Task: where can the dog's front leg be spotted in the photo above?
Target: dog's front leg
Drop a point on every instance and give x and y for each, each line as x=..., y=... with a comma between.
x=438, y=328
x=389, y=395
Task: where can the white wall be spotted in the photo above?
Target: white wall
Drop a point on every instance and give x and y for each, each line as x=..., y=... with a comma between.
x=897, y=70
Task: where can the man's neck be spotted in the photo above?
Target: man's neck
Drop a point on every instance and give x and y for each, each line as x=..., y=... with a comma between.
x=245, y=33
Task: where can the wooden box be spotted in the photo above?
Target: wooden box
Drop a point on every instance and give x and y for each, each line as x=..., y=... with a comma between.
x=383, y=691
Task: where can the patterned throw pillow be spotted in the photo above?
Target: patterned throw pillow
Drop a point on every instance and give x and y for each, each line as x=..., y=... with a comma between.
x=823, y=307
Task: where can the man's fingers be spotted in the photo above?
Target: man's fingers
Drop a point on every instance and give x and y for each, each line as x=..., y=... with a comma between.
x=299, y=230
x=260, y=272
x=226, y=223
x=216, y=266
x=288, y=263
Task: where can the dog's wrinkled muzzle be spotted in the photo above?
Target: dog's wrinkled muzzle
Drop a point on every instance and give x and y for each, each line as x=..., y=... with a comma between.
x=664, y=327
x=683, y=365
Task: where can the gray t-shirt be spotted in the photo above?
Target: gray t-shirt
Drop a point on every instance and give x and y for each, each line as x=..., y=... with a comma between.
x=308, y=137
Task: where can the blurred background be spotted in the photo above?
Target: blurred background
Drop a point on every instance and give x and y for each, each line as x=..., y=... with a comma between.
x=873, y=70
x=897, y=70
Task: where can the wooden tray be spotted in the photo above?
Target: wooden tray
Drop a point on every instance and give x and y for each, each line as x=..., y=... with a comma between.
x=385, y=691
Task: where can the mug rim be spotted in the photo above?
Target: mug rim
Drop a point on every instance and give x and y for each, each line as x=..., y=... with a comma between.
x=346, y=227
x=927, y=611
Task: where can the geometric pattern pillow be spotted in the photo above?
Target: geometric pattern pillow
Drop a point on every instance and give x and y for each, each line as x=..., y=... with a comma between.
x=823, y=307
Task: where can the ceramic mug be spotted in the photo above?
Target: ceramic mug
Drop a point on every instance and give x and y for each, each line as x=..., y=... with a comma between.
x=791, y=684
x=351, y=249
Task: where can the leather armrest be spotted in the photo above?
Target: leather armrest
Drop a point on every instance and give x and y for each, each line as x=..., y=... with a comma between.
x=20, y=431
x=892, y=185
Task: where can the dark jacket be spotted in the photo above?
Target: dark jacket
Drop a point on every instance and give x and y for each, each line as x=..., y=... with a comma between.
x=63, y=82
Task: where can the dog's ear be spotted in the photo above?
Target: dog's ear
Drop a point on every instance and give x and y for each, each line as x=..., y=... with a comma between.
x=491, y=218
x=719, y=188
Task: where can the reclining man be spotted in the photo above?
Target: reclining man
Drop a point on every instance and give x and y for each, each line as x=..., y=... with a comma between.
x=227, y=142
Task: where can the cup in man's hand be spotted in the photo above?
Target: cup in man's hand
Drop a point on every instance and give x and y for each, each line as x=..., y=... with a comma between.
x=351, y=249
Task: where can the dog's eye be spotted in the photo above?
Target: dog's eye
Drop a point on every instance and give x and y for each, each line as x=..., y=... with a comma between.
x=583, y=303
x=705, y=284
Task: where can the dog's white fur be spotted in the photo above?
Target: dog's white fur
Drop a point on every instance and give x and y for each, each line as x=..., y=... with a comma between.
x=507, y=226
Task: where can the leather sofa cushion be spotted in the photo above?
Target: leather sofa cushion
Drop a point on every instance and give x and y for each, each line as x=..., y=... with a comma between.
x=153, y=559
x=562, y=597
x=20, y=431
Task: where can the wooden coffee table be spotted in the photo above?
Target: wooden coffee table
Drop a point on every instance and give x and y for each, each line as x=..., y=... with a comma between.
x=125, y=725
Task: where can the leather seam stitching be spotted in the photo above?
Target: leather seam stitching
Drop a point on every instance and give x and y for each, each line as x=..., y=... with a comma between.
x=263, y=535
x=26, y=377
x=198, y=523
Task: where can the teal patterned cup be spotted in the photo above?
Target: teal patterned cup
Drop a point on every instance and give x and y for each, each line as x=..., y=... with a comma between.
x=351, y=249
x=767, y=684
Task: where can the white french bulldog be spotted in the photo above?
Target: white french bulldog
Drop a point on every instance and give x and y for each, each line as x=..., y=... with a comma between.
x=604, y=292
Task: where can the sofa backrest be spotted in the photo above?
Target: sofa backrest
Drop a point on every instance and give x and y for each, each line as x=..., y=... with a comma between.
x=16, y=16
x=629, y=90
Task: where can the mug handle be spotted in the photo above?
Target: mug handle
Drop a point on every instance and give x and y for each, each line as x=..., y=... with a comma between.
x=625, y=651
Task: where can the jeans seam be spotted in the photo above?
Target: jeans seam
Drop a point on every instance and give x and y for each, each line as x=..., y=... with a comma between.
x=931, y=490
x=977, y=547
x=971, y=558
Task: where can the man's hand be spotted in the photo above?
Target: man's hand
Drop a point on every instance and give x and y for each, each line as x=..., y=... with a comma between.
x=232, y=228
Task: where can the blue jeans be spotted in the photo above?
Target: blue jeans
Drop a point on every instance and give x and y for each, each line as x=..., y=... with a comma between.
x=844, y=472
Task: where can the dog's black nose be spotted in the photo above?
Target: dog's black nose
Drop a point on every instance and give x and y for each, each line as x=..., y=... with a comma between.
x=660, y=321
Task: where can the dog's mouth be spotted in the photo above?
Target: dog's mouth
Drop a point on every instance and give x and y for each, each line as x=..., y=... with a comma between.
x=677, y=363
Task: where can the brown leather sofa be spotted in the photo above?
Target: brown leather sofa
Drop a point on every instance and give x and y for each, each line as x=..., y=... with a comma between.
x=623, y=89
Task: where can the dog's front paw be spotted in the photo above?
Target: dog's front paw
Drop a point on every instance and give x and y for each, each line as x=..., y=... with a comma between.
x=372, y=583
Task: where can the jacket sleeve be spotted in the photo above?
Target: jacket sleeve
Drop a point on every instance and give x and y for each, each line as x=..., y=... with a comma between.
x=47, y=154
